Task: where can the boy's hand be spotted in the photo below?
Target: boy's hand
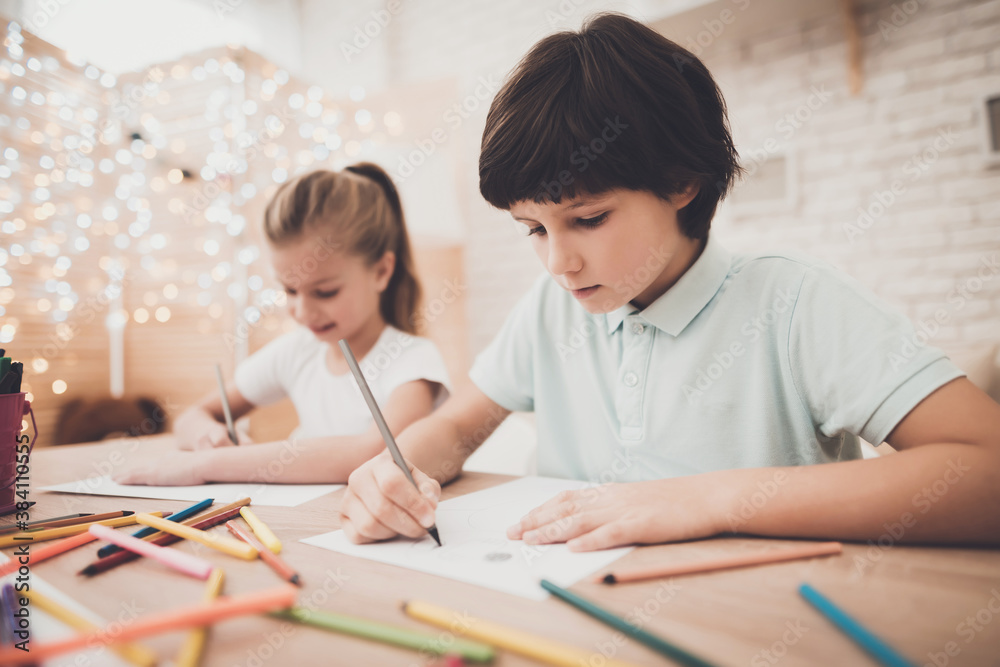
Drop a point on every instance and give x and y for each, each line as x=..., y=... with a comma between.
x=613, y=515
x=216, y=435
x=380, y=502
x=173, y=469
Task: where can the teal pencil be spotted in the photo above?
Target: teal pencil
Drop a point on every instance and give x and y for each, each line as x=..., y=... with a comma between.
x=388, y=634
x=659, y=645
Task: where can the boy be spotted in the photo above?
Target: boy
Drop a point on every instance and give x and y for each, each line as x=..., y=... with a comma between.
x=700, y=383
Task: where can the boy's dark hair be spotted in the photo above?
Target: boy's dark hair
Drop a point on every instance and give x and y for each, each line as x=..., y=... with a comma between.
x=616, y=105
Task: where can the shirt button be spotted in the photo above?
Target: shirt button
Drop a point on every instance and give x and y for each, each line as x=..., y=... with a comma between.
x=637, y=328
x=631, y=379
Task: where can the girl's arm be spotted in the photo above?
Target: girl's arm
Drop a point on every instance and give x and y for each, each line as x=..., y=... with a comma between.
x=203, y=425
x=942, y=487
x=296, y=461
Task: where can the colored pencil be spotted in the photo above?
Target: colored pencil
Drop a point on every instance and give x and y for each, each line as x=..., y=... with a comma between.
x=8, y=611
x=226, y=412
x=45, y=523
x=283, y=569
x=516, y=641
x=260, y=529
x=383, y=426
x=176, y=517
x=137, y=654
x=178, y=560
x=236, y=504
x=389, y=634
x=65, y=531
x=46, y=552
x=182, y=618
x=864, y=638
x=161, y=539
x=190, y=652
x=723, y=563
x=658, y=644
x=226, y=545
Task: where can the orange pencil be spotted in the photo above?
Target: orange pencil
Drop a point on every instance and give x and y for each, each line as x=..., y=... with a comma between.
x=283, y=569
x=184, y=618
x=724, y=563
x=48, y=551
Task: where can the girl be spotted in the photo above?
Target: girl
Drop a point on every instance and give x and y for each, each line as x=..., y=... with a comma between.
x=339, y=248
x=707, y=392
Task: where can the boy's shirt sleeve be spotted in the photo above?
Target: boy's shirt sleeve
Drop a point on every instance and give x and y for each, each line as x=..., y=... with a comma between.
x=505, y=370
x=857, y=364
x=261, y=376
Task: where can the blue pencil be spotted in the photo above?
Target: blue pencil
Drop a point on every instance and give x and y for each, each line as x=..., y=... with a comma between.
x=878, y=649
x=185, y=513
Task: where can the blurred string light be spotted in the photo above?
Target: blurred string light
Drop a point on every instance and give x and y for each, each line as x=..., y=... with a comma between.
x=92, y=172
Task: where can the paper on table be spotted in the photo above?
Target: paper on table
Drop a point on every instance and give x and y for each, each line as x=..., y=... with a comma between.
x=476, y=550
x=280, y=495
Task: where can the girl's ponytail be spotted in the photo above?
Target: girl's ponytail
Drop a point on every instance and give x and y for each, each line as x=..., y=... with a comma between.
x=401, y=297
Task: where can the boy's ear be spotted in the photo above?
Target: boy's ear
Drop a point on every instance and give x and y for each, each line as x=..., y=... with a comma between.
x=384, y=269
x=686, y=196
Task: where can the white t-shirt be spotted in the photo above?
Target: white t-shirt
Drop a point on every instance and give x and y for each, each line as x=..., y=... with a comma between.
x=294, y=365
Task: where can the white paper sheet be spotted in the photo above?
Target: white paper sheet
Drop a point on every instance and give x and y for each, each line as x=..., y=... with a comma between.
x=280, y=495
x=473, y=530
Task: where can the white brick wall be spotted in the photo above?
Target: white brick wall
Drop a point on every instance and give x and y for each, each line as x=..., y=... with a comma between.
x=928, y=75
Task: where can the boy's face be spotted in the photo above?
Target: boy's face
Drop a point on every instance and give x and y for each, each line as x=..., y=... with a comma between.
x=613, y=248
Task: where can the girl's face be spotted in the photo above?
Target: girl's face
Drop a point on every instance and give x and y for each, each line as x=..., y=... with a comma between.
x=617, y=247
x=334, y=293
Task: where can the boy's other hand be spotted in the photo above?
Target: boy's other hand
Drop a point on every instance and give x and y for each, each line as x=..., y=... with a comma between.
x=380, y=502
x=613, y=515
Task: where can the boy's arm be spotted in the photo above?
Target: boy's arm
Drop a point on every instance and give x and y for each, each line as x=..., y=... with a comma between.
x=381, y=503
x=942, y=487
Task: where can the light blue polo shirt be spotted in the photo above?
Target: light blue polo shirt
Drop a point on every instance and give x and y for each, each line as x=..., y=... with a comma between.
x=747, y=361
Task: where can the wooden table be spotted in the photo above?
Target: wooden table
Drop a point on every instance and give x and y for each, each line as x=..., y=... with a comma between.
x=918, y=599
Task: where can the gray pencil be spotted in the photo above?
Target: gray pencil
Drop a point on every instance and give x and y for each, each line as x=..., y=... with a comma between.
x=390, y=442
x=225, y=406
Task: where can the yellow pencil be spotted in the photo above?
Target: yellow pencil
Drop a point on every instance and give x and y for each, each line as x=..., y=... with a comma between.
x=34, y=536
x=191, y=650
x=260, y=529
x=226, y=545
x=137, y=654
x=515, y=641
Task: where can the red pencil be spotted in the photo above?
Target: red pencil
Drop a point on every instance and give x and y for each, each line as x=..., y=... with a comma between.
x=48, y=551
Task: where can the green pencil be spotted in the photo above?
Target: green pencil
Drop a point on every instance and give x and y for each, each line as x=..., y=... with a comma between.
x=389, y=634
x=657, y=644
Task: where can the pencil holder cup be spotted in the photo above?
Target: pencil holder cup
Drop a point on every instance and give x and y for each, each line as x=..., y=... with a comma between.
x=13, y=408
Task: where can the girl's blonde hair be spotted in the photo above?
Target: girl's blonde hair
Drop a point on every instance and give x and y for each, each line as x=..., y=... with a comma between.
x=359, y=208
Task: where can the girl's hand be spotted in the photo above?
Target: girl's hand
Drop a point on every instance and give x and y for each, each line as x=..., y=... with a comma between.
x=380, y=502
x=613, y=515
x=173, y=469
x=216, y=435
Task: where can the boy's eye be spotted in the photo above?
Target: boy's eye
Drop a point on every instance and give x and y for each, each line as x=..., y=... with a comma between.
x=536, y=230
x=593, y=222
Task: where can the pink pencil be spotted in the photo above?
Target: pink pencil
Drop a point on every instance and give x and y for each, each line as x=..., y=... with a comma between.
x=183, y=562
x=726, y=562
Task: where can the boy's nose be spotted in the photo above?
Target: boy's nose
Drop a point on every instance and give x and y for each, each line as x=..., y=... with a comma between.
x=563, y=257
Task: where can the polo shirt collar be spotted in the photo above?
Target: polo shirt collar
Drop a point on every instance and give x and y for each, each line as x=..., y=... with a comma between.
x=680, y=304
